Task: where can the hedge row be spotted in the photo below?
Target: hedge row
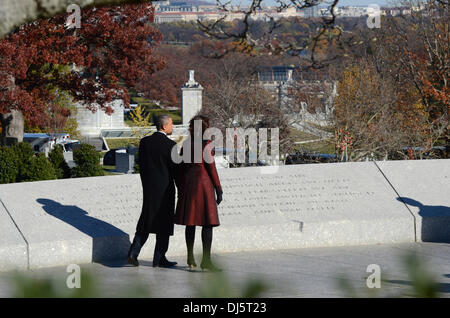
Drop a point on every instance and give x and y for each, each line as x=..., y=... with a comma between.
x=19, y=164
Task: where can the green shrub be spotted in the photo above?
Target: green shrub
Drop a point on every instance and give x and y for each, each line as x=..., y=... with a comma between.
x=8, y=165
x=88, y=162
x=136, y=163
x=38, y=168
x=56, y=157
x=24, y=153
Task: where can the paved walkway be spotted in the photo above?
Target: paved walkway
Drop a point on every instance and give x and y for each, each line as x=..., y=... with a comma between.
x=286, y=273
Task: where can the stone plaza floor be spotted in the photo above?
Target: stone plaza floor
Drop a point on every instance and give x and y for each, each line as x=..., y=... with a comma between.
x=309, y=272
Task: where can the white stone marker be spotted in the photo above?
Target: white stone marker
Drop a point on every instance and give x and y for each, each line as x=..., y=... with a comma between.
x=310, y=206
x=93, y=219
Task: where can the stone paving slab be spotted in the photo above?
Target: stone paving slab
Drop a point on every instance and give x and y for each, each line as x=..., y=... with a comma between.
x=290, y=273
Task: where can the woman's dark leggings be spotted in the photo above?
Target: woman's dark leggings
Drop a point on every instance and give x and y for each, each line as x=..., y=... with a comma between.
x=207, y=234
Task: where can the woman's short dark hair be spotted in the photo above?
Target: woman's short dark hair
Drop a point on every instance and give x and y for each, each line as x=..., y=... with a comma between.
x=205, y=123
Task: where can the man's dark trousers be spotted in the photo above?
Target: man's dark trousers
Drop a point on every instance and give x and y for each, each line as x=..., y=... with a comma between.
x=161, y=247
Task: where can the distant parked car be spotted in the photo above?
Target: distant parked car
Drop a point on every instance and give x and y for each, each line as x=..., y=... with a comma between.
x=436, y=152
x=45, y=142
x=60, y=137
x=306, y=157
x=39, y=142
x=69, y=146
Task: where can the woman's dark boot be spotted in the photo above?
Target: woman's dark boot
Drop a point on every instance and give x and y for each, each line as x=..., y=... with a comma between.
x=207, y=241
x=208, y=266
x=190, y=238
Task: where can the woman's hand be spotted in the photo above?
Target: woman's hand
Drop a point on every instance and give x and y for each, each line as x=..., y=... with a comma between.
x=219, y=196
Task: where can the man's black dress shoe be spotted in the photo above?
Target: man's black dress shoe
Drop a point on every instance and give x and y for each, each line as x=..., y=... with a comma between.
x=163, y=262
x=133, y=261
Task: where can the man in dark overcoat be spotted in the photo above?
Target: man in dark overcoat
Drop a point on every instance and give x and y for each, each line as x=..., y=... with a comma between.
x=157, y=171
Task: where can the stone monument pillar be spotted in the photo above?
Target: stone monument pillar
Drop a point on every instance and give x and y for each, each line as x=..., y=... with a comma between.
x=12, y=127
x=12, y=123
x=191, y=99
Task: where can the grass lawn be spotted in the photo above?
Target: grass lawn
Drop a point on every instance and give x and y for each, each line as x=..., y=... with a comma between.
x=139, y=100
x=108, y=170
x=299, y=135
x=175, y=114
x=128, y=122
x=329, y=129
x=324, y=146
x=121, y=142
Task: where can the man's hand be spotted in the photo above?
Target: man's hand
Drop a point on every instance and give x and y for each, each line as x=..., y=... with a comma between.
x=219, y=196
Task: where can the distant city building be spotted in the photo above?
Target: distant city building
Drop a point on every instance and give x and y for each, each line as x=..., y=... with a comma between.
x=275, y=74
x=280, y=81
x=351, y=12
x=276, y=80
x=310, y=12
x=172, y=11
x=395, y=11
x=177, y=7
x=184, y=12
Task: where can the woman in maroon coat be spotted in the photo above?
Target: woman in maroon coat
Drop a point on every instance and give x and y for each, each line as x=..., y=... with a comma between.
x=197, y=182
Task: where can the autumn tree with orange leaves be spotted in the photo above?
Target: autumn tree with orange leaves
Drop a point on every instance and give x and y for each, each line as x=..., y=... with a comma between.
x=114, y=44
x=396, y=94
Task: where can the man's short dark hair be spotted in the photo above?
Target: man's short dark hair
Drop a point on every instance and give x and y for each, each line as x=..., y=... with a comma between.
x=161, y=120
